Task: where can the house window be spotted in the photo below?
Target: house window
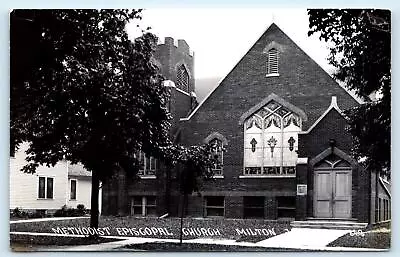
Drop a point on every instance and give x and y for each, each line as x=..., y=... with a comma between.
x=386, y=209
x=271, y=141
x=286, y=206
x=182, y=78
x=273, y=62
x=143, y=206
x=214, y=206
x=73, y=189
x=45, y=188
x=218, y=154
x=147, y=165
x=253, y=207
x=379, y=209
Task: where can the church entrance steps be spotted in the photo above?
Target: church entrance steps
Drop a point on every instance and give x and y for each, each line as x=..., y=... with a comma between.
x=329, y=224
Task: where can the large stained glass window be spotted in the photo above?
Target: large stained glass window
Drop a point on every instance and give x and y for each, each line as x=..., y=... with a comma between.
x=271, y=141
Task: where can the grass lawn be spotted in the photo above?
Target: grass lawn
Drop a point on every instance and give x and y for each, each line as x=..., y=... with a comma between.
x=193, y=247
x=377, y=237
x=249, y=230
x=34, y=243
x=174, y=247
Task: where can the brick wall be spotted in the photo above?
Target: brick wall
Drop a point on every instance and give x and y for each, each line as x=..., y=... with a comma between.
x=332, y=126
x=270, y=211
x=234, y=207
x=362, y=195
x=301, y=82
x=171, y=56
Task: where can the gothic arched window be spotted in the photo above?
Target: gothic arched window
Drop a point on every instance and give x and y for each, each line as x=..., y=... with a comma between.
x=218, y=154
x=271, y=141
x=182, y=78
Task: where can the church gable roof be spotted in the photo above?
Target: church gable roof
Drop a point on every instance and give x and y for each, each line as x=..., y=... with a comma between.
x=301, y=82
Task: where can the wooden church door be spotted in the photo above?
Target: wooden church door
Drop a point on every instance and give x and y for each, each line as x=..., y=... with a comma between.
x=332, y=187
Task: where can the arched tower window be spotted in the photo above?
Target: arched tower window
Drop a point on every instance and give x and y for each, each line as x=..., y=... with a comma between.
x=273, y=62
x=182, y=78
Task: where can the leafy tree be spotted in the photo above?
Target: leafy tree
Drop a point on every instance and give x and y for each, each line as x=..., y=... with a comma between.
x=197, y=163
x=360, y=51
x=83, y=92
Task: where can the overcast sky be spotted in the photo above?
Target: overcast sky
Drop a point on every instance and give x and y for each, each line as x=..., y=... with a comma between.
x=220, y=37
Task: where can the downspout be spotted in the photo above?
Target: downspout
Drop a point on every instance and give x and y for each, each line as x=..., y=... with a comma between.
x=376, y=195
x=369, y=200
x=67, y=187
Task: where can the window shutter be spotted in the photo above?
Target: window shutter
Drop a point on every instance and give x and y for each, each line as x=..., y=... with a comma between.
x=273, y=61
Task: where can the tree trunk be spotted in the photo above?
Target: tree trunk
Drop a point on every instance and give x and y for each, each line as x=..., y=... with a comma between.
x=168, y=190
x=182, y=215
x=94, y=201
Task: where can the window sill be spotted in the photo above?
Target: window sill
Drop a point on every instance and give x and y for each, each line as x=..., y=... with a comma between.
x=272, y=75
x=182, y=91
x=147, y=176
x=73, y=200
x=44, y=199
x=218, y=176
x=267, y=176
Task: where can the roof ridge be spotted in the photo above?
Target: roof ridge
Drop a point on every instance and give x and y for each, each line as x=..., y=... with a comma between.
x=272, y=25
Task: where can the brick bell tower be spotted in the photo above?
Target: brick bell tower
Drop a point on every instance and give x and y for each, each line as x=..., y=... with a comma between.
x=176, y=63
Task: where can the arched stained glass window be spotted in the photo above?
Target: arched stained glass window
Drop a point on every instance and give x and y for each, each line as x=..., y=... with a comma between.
x=271, y=141
x=218, y=154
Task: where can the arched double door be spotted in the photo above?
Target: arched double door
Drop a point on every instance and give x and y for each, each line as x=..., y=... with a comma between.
x=332, y=188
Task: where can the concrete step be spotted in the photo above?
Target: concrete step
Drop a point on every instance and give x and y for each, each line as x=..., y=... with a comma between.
x=329, y=224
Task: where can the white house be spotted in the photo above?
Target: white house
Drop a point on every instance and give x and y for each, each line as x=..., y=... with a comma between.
x=50, y=187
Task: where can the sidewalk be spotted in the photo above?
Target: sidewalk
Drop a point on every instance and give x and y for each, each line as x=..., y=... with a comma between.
x=296, y=239
x=47, y=219
x=304, y=238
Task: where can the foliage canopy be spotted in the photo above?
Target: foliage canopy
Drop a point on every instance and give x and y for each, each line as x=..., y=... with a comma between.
x=82, y=91
x=361, y=52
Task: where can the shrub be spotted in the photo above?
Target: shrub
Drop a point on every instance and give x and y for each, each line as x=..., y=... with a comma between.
x=37, y=214
x=18, y=213
x=66, y=211
x=81, y=209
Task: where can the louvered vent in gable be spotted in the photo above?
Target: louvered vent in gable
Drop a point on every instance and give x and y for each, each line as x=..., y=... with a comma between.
x=182, y=78
x=273, y=62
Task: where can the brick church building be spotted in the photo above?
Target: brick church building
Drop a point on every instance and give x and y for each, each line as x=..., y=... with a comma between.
x=279, y=118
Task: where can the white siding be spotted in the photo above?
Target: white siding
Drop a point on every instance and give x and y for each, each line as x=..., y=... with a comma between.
x=24, y=187
x=83, y=189
x=83, y=192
